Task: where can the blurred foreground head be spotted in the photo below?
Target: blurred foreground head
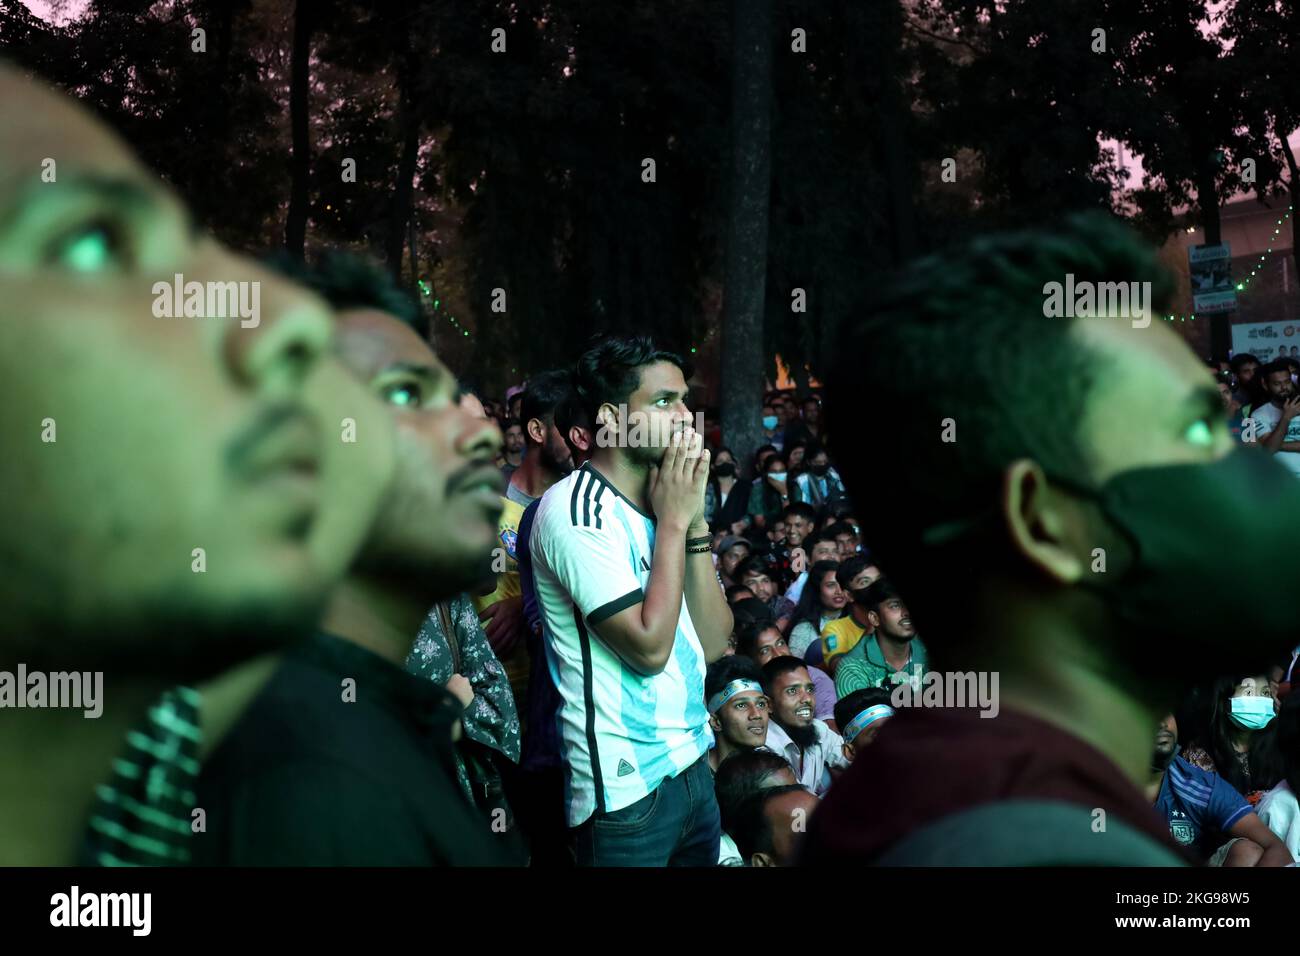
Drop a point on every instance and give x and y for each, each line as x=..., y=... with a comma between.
x=1046, y=471
x=133, y=440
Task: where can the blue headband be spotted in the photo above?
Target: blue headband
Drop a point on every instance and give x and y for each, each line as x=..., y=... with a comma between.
x=730, y=691
x=866, y=719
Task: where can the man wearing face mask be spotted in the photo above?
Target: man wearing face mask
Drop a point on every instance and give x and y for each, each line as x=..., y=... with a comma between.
x=772, y=432
x=1050, y=543
x=820, y=485
x=1277, y=427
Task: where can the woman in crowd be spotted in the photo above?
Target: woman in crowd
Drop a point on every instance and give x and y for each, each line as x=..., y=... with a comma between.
x=726, y=496
x=770, y=494
x=1237, y=744
x=821, y=601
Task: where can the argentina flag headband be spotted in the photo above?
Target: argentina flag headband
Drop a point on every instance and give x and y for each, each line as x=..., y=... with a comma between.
x=730, y=691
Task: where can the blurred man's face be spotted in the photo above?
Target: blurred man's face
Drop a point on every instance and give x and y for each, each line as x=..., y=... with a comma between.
x=794, y=699
x=795, y=456
x=742, y=720
x=1175, y=415
x=1279, y=386
x=769, y=644
x=732, y=557
x=514, y=439
x=439, y=523
x=812, y=412
x=824, y=551
x=1225, y=395
x=761, y=585
x=865, y=578
x=132, y=440
x=556, y=458
x=848, y=544
x=1248, y=372
x=798, y=527
x=891, y=619
x=658, y=407
x=778, y=532
x=1166, y=739
x=787, y=815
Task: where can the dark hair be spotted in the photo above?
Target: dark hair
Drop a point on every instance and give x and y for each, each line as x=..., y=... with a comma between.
x=735, y=589
x=878, y=592
x=813, y=449
x=1282, y=365
x=512, y=423
x=778, y=666
x=545, y=391
x=850, y=568
x=754, y=564
x=849, y=706
x=809, y=607
x=726, y=669
x=740, y=775
x=988, y=295
x=348, y=281
x=570, y=413
x=1241, y=358
x=750, y=827
x=610, y=371
x=748, y=629
x=801, y=508
x=840, y=527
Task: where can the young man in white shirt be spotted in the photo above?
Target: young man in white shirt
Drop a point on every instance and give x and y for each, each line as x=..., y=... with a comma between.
x=1276, y=424
x=633, y=612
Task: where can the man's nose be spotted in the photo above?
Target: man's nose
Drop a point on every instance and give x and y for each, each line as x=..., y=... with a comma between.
x=292, y=332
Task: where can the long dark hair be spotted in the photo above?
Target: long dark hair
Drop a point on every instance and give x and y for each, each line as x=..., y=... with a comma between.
x=809, y=607
x=1261, y=760
x=1286, y=740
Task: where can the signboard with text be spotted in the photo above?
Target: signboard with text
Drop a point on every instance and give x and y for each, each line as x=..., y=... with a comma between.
x=1267, y=340
x=1211, y=271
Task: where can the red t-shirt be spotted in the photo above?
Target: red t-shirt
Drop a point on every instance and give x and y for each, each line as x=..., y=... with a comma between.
x=928, y=764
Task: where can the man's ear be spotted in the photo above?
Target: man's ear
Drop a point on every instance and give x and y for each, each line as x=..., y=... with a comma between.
x=715, y=724
x=848, y=751
x=873, y=619
x=535, y=428
x=607, y=416
x=1037, y=519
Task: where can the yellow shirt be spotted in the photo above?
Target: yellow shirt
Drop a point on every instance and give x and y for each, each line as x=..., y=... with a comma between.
x=516, y=665
x=841, y=636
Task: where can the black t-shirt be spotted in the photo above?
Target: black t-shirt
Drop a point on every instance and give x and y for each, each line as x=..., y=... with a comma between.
x=307, y=778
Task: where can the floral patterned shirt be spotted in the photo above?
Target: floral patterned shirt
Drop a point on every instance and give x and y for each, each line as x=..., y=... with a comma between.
x=491, y=718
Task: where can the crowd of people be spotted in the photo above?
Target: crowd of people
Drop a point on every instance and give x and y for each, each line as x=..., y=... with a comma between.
x=480, y=631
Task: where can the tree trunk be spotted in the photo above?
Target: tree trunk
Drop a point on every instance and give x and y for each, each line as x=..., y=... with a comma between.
x=295, y=228
x=746, y=253
x=1294, y=181
x=404, y=190
x=1207, y=198
x=893, y=132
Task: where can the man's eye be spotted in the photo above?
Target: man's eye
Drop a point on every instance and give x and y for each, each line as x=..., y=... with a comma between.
x=91, y=248
x=403, y=393
x=1200, y=433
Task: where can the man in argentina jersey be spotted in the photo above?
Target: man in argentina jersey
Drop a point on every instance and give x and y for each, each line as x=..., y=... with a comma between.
x=632, y=614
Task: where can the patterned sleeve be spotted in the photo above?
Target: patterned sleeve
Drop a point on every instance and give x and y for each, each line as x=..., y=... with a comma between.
x=492, y=717
x=1198, y=757
x=851, y=676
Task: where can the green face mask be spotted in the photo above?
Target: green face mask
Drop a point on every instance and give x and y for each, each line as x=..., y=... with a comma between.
x=1213, y=556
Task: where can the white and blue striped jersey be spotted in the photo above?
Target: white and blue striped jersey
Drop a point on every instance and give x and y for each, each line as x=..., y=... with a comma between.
x=623, y=732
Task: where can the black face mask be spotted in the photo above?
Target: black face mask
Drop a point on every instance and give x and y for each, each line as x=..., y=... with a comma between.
x=819, y=470
x=1212, y=567
x=726, y=469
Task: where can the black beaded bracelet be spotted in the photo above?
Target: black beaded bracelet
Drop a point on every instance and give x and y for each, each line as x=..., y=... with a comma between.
x=704, y=539
x=704, y=550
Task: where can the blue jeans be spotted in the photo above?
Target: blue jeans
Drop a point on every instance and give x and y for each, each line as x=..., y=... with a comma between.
x=676, y=825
